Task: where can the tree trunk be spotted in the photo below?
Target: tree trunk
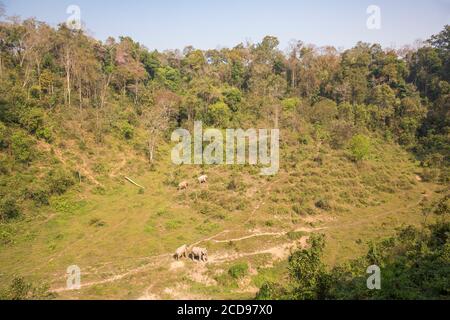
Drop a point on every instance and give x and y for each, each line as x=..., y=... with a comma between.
x=68, y=86
x=136, y=92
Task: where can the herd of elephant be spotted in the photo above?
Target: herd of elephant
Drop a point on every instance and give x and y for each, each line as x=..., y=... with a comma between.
x=185, y=184
x=196, y=253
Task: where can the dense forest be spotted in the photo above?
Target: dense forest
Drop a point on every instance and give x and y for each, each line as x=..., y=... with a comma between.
x=59, y=83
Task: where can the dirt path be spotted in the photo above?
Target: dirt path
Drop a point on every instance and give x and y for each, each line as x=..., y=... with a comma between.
x=268, y=234
x=83, y=169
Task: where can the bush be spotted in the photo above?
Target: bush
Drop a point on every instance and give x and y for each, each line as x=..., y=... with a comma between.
x=3, y=136
x=323, y=204
x=59, y=181
x=44, y=134
x=126, y=130
x=38, y=194
x=238, y=270
x=219, y=114
x=32, y=120
x=22, y=147
x=23, y=290
x=232, y=97
x=360, y=147
x=9, y=209
x=290, y=104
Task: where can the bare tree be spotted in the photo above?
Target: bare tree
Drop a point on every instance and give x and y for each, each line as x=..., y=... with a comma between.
x=156, y=118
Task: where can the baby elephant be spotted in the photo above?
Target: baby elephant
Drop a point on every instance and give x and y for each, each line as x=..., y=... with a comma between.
x=200, y=254
x=202, y=179
x=183, y=185
x=180, y=252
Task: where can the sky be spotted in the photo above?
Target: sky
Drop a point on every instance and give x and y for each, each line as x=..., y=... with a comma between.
x=175, y=24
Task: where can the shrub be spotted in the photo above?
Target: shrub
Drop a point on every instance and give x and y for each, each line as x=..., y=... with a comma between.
x=290, y=104
x=21, y=147
x=9, y=209
x=219, y=114
x=59, y=181
x=38, y=194
x=45, y=133
x=360, y=147
x=232, y=97
x=323, y=204
x=23, y=290
x=126, y=130
x=32, y=120
x=238, y=270
x=3, y=136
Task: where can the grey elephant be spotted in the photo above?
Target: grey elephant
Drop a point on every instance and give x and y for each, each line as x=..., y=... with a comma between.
x=180, y=252
x=200, y=254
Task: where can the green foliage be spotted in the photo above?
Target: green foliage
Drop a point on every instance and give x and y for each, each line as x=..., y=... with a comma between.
x=126, y=130
x=290, y=104
x=307, y=270
x=9, y=209
x=168, y=77
x=238, y=270
x=360, y=146
x=414, y=265
x=59, y=181
x=3, y=136
x=20, y=289
x=32, y=120
x=219, y=114
x=232, y=98
x=323, y=204
x=21, y=146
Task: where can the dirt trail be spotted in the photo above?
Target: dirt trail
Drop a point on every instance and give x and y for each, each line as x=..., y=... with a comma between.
x=82, y=169
x=278, y=252
x=268, y=234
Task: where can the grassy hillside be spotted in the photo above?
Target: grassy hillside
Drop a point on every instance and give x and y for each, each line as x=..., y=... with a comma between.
x=122, y=237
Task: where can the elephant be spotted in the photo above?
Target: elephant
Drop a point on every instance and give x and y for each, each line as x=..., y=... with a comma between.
x=183, y=185
x=181, y=252
x=202, y=179
x=200, y=254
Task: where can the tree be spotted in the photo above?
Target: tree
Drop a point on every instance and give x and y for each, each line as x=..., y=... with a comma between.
x=156, y=118
x=129, y=69
x=360, y=147
x=307, y=270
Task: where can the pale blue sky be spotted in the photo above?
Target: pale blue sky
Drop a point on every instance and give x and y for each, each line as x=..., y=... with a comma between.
x=170, y=24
